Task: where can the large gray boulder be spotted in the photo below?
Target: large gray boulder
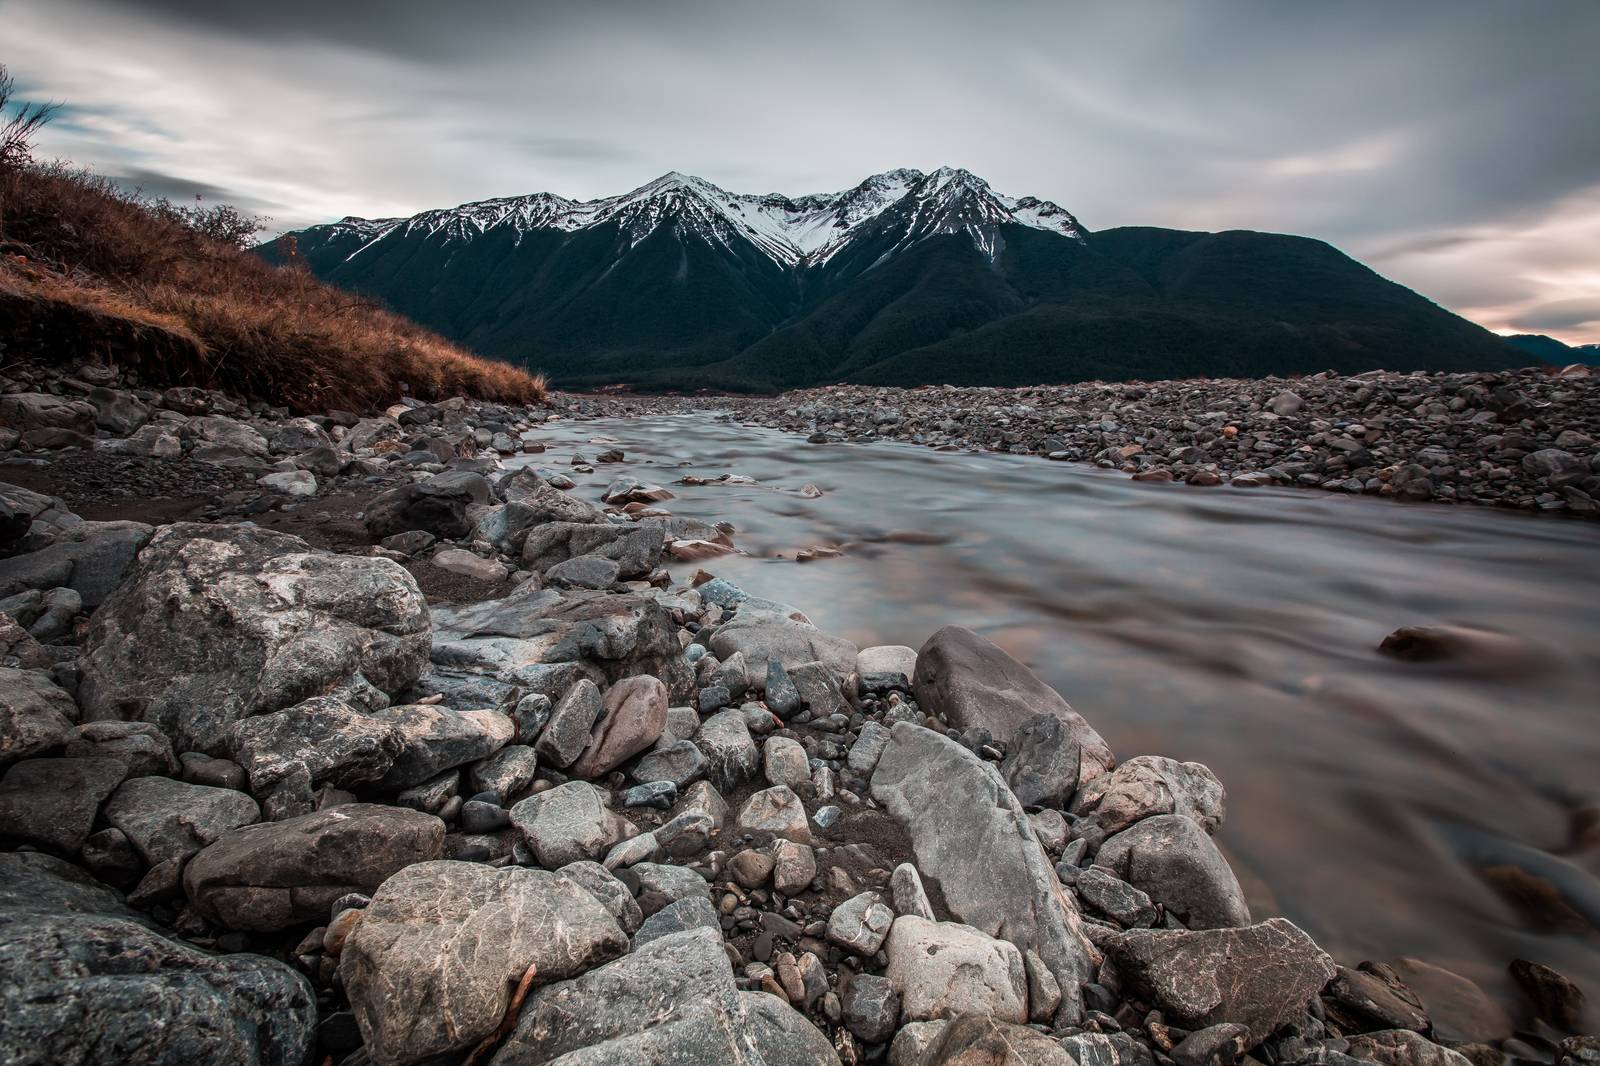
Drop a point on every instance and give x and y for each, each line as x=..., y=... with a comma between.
x=971, y=835
x=84, y=979
x=1174, y=861
x=52, y=803
x=274, y=875
x=1261, y=976
x=782, y=1035
x=670, y=1003
x=433, y=960
x=320, y=741
x=41, y=410
x=435, y=738
x=731, y=753
x=970, y=682
x=545, y=640
x=91, y=558
x=167, y=819
x=1147, y=785
x=635, y=548
x=37, y=716
x=218, y=623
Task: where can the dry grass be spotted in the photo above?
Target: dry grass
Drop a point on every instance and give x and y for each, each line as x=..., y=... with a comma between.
x=88, y=270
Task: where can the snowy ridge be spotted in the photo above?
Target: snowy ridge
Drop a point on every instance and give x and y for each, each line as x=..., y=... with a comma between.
x=800, y=232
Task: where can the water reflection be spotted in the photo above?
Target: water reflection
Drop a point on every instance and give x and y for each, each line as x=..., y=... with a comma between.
x=1366, y=796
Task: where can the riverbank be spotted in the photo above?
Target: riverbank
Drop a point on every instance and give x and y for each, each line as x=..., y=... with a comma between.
x=1521, y=439
x=511, y=754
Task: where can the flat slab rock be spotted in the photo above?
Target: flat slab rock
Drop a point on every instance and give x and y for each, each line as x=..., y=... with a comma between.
x=1261, y=976
x=433, y=959
x=273, y=875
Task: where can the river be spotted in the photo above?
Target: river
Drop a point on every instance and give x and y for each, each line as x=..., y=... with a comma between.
x=1367, y=796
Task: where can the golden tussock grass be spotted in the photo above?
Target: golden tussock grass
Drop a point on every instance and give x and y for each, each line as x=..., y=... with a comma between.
x=89, y=271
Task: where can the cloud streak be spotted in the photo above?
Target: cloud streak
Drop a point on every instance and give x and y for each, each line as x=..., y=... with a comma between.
x=1448, y=143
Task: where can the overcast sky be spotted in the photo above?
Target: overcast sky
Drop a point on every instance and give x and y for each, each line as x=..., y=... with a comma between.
x=1450, y=144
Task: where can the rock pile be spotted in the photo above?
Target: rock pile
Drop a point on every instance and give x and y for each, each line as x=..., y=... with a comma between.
x=1524, y=439
x=268, y=804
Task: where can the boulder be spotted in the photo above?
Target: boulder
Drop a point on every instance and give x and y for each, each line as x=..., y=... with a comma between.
x=604, y=886
x=942, y=969
x=1173, y=860
x=568, y=823
x=583, y=572
x=437, y=505
x=679, y=762
x=971, y=683
x=167, y=819
x=1041, y=765
x=635, y=713
x=544, y=640
x=1148, y=785
x=971, y=835
x=887, y=659
x=785, y=763
x=1261, y=976
x=763, y=636
x=860, y=923
x=52, y=803
x=320, y=741
x=782, y=1035
x=634, y=548
x=139, y=746
x=435, y=738
x=274, y=875
x=689, y=913
x=571, y=724
x=505, y=773
x=219, y=623
x=672, y=1001
x=36, y=715
x=91, y=558
x=84, y=979
x=431, y=964
x=1402, y=1047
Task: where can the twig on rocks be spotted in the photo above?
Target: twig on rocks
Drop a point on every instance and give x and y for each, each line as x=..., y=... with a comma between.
x=509, y=1022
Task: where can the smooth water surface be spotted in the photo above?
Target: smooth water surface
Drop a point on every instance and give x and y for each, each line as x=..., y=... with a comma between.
x=1366, y=796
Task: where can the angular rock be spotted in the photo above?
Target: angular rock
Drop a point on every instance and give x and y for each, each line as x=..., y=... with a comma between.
x=1402, y=1047
x=169, y=819
x=794, y=866
x=905, y=887
x=635, y=548
x=1148, y=785
x=782, y=1035
x=142, y=748
x=785, y=762
x=819, y=688
x=52, y=803
x=568, y=823
x=860, y=924
x=583, y=572
x=604, y=886
x=505, y=773
x=662, y=884
x=218, y=623
x=983, y=1040
x=972, y=683
x=435, y=738
x=36, y=715
x=431, y=965
x=437, y=505
x=1041, y=766
x=777, y=811
x=730, y=751
x=971, y=835
x=680, y=762
x=571, y=724
x=1261, y=976
x=942, y=969
x=635, y=714
x=684, y=915
x=1115, y=898
x=871, y=1008
x=1173, y=860
x=765, y=636
x=320, y=741
x=273, y=875
x=91, y=558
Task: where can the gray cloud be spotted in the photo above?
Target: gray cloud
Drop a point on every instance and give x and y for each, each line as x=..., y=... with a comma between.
x=1447, y=142
x=1561, y=315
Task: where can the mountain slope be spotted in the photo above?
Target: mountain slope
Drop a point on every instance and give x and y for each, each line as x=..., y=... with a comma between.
x=1553, y=351
x=907, y=278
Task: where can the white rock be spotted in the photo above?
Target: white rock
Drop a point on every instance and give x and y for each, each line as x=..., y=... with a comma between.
x=942, y=969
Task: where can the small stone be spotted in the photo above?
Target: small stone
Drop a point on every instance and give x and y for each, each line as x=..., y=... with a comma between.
x=871, y=1008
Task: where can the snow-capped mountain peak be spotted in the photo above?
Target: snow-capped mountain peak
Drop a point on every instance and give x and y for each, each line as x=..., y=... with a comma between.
x=795, y=232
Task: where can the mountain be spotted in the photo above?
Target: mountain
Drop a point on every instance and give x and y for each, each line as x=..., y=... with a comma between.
x=1553, y=351
x=907, y=278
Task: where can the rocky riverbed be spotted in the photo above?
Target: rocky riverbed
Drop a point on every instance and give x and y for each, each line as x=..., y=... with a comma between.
x=1521, y=439
x=337, y=739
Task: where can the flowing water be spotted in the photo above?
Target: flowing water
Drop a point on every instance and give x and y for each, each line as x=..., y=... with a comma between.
x=1376, y=802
